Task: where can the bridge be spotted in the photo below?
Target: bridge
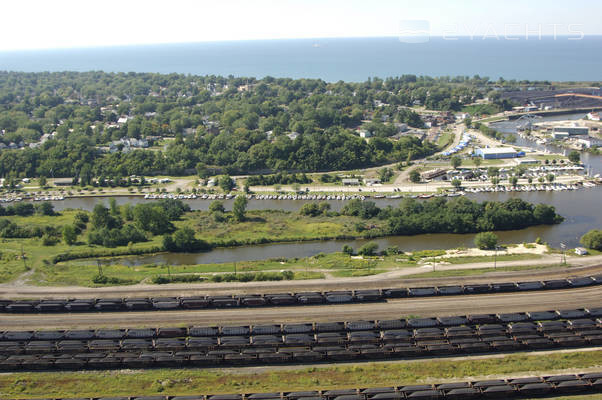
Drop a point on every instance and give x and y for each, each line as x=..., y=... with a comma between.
x=587, y=96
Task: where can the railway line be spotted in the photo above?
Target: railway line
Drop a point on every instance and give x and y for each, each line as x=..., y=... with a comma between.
x=8, y=292
x=393, y=308
x=42, y=306
x=299, y=343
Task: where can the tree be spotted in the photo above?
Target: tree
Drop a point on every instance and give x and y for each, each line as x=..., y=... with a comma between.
x=183, y=240
x=310, y=209
x=152, y=218
x=69, y=234
x=486, y=240
x=42, y=181
x=545, y=214
x=216, y=206
x=456, y=183
x=226, y=183
x=45, y=208
x=493, y=171
x=592, y=239
x=495, y=180
x=385, y=174
x=347, y=249
x=513, y=180
x=369, y=249
x=239, y=207
x=102, y=219
x=574, y=157
x=414, y=176
x=468, y=122
x=456, y=162
x=477, y=161
x=550, y=178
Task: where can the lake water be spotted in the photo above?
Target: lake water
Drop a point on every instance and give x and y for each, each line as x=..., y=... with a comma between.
x=351, y=59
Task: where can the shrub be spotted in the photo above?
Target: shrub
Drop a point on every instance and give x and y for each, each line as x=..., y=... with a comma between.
x=369, y=249
x=254, y=276
x=486, y=240
x=69, y=234
x=49, y=240
x=163, y=279
x=347, y=249
x=183, y=240
x=106, y=280
x=592, y=239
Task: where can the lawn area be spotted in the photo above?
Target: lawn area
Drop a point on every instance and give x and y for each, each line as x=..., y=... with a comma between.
x=445, y=139
x=263, y=226
x=81, y=272
x=213, y=381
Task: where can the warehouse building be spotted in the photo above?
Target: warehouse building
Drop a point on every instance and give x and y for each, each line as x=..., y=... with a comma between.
x=572, y=130
x=492, y=153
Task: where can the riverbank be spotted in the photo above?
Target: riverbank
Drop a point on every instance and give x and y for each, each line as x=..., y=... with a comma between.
x=323, y=267
x=38, y=242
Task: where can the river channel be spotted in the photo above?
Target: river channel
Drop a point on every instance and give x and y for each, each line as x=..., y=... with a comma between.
x=581, y=209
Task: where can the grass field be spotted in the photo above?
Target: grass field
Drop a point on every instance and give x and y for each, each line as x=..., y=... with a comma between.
x=81, y=272
x=275, y=225
x=248, y=380
x=260, y=227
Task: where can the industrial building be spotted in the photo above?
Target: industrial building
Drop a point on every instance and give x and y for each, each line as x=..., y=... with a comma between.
x=491, y=153
x=572, y=130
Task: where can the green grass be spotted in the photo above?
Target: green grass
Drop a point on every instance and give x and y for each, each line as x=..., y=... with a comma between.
x=265, y=226
x=81, y=272
x=478, y=109
x=445, y=139
x=349, y=273
x=212, y=381
x=476, y=271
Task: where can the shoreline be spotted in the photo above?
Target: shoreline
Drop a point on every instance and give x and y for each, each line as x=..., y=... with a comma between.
x=363, y=192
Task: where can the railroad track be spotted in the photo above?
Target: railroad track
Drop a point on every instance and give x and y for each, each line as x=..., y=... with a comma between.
x=299, y=343
x=283, y=299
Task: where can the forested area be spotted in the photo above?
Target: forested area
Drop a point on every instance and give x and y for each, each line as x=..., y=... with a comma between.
x=460, y=215
x=64, y=123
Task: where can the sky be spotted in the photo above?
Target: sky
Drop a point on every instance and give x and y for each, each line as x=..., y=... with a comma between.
x=48, y=24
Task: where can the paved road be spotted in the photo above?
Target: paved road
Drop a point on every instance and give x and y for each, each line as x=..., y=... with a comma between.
x=423, y=307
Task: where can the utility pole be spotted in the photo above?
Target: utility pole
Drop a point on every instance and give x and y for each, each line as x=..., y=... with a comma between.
x=495, y=258
x=234, y=267
x=23, y=258
x=99, y=267
x=563, y=256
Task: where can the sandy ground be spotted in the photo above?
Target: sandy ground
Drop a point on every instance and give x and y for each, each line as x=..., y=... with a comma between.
x=475, y=252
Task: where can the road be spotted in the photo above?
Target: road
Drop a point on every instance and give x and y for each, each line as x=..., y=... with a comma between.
x=578, y=266
x=404, y=177
x=397, y=308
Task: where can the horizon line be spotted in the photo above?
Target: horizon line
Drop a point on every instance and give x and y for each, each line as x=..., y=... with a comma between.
x=516, y=38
